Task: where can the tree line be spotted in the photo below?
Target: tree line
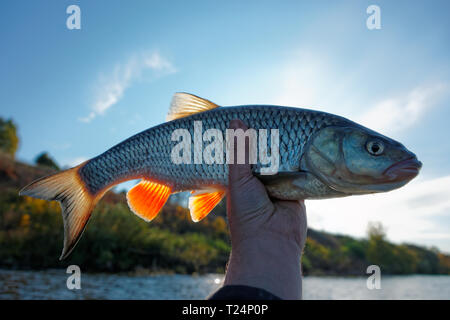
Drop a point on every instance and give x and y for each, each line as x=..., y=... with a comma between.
x=31, y=237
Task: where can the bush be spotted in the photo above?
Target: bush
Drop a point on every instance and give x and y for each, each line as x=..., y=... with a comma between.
x=31, y=234
x=9, y=141
x=45, y=160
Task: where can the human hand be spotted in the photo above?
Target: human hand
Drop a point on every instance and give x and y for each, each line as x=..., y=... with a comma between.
x=267, y=236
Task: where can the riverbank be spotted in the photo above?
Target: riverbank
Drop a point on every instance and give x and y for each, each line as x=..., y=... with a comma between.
x=31, y=234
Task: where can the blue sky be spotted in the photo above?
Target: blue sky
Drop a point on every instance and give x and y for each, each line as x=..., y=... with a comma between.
x=75, y=93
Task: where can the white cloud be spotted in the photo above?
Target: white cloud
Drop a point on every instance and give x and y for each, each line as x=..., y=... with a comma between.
x=411, y=214
x=417, y=213
x=113, y=86
x=313, y=81
x=402, y=112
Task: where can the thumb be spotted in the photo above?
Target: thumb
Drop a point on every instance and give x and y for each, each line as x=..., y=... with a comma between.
x=238, y=173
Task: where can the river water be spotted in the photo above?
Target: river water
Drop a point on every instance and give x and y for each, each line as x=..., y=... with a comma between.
x=52, y=284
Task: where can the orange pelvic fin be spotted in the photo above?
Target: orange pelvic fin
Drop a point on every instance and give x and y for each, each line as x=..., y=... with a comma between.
x=147, y=198
x=201, y=203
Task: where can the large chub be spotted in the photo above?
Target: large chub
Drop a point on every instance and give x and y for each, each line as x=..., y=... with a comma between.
x=76, y=202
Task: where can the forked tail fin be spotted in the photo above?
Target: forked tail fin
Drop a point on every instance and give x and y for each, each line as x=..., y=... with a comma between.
x=76, y=202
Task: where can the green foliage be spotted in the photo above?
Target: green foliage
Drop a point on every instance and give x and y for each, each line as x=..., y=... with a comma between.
x=401, y=259
x=326, y=254
x=9, y=141
x=45, y=160
x=31, y=234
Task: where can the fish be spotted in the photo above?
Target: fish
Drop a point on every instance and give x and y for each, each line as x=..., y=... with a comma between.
x=320, y=156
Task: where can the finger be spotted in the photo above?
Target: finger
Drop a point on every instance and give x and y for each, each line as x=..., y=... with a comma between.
x=291, y=216
x=239, y=172
x=247, y=196
x=297, y=207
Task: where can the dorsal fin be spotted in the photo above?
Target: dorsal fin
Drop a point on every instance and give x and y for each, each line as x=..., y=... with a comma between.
x=185, y=104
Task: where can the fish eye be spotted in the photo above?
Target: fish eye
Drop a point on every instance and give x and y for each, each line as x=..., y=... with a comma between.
x=375, y=147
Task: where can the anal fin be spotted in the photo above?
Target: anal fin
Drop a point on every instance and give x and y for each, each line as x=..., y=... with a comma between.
x=147, y=198
x=201, y=203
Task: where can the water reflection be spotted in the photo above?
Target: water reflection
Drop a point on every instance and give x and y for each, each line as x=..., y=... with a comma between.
x=51, y=284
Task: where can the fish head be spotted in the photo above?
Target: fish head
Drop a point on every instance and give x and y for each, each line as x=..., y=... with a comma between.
x=356, y=160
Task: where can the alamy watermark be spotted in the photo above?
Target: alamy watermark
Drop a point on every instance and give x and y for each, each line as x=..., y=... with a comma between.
x=208, y=147
x=74, y=280
x=374, y=280
x=74, y=20
x=374, y=20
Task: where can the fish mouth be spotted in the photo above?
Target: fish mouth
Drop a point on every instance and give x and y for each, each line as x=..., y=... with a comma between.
x=403, y=170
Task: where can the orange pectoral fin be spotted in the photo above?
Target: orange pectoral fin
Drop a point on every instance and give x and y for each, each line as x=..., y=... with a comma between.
x=147, y=198
x=201, y=204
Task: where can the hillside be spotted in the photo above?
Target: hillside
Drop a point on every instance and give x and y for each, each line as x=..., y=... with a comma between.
x=31, y=235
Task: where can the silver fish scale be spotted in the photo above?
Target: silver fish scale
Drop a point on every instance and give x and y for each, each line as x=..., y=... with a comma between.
x=148, y=154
